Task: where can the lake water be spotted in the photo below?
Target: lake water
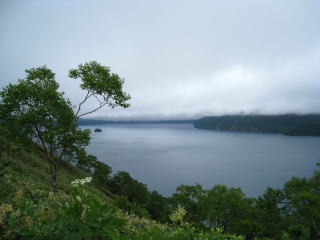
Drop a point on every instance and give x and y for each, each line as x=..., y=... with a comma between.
x=166, y=155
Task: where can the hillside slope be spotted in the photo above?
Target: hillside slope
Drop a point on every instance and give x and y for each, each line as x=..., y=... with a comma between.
x=29, y=210
x=27, y=164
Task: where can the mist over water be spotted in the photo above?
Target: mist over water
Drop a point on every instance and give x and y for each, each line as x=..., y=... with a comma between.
x=164, y=156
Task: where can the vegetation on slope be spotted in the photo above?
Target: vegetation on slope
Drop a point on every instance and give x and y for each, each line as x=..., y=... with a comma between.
x=30, y=210
x=289, y=124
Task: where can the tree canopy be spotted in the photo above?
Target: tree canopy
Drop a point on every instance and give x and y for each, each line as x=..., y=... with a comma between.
x=35, y=110
x=101, y=84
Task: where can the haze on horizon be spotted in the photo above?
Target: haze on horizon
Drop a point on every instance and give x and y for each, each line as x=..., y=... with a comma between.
x=179, y=59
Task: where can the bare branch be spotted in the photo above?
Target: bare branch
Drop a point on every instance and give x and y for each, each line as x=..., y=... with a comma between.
x=101, y=105
x=97, y=99
x=80, y=104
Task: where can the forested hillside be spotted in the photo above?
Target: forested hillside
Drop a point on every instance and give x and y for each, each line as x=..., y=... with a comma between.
x=289, y=124
x=83, y=207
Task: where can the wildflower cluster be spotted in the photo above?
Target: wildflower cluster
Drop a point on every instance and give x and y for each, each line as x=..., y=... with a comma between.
x=178, y=215
x=4, y=209
x=82, y=181
x=137, y=224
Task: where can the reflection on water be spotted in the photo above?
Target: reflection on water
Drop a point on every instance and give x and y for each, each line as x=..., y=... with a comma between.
x=166, y=155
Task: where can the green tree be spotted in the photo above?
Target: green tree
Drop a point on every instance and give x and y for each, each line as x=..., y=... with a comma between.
x=123, y=184
x=86, y=161
x=270, y=213
x=100, y=84
x=34, y=110
x=302, y=202
x=188, y=196
x=223, y=207
x=102, y=173
x=124, y=204
x=158, y=207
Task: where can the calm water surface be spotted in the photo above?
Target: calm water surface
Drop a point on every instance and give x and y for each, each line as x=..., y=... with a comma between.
x=166, y=155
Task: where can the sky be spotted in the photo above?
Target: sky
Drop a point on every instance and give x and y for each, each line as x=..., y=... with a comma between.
x=180, y=59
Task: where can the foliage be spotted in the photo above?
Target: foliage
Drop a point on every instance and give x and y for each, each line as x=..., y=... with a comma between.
x=28, y=212
x=292, y=213
x=270, y=213
x=39, y=214
x=85, y=161
x=302, y=202
x=187, y=196
x=35, y=110
x=102, y=173
x=223, y=207
x=100, y=84
x=159, y=207
x=125, y=205
x=123, y=184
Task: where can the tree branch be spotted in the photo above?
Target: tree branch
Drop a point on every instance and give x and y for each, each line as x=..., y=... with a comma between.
x=97, y=99
x=80, y=104
x=42, y=141
x=101, y=105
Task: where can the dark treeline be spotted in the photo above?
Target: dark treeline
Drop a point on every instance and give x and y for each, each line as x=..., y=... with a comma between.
x=288, y=124
x=293, y=211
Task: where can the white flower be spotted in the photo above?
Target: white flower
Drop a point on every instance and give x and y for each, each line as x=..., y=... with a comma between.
x=178, y=215
x=82, y=181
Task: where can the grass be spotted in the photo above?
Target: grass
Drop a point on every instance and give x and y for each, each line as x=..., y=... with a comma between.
x=28, y=164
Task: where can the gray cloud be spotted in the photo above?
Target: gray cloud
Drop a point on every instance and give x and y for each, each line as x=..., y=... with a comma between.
x=178, y=58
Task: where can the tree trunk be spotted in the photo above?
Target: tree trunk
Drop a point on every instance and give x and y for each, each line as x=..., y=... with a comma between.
x=53, y=172
x=51, y=160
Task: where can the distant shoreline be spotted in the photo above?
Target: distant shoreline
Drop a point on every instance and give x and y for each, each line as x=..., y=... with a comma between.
x=287, y=124
x=83, y=122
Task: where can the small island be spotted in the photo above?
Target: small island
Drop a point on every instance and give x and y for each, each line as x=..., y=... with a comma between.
x=98, y=130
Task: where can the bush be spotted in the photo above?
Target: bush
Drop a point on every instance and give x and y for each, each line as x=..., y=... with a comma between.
x=32, y=213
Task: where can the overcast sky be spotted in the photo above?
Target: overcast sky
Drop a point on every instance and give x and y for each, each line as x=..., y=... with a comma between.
x=178, y=58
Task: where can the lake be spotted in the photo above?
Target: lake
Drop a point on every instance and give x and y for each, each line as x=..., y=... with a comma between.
x=164, y=156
